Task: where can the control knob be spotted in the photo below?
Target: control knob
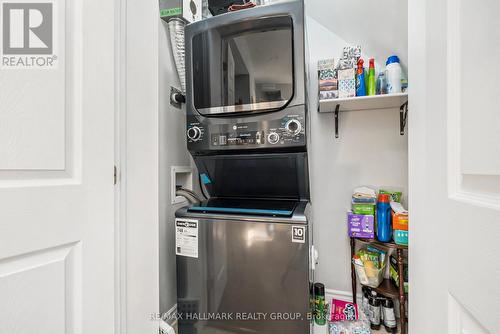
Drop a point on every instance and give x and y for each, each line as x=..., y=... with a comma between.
x=293, y=127
x=273, y=138
x=194, y=133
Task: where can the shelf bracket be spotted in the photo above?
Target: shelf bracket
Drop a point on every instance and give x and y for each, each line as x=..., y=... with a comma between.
x=336, y=115
x=403, y=114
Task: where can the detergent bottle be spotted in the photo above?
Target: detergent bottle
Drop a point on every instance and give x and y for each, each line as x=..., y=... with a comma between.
x=393, y=69
x=384, y=229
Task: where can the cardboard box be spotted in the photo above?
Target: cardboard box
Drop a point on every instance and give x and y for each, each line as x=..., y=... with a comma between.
x=363, y=209
x=400, y=237
x=189, y=10
x=394, y=273
x=360, y=226
x=347, y=82
x=327, y=79
x=399, y=222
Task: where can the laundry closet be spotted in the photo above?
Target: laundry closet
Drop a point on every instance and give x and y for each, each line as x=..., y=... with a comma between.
x=350, y=141
x=250, y=167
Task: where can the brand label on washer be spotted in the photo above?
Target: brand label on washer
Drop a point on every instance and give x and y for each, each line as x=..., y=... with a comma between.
x=186, y=237
x=299, y=234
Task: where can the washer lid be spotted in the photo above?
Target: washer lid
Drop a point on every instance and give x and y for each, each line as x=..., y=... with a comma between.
x=282, y=208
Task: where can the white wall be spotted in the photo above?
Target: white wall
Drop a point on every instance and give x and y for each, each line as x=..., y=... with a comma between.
x=140, y=168
x=370, y=149
x=380, y=27
x=173, y=152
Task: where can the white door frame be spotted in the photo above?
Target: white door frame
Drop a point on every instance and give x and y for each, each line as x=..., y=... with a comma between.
x=137, y=222
x=120, y=167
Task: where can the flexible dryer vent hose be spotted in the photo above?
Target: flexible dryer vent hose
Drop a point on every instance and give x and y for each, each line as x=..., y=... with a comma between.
x=189, y=195
x=176, y=30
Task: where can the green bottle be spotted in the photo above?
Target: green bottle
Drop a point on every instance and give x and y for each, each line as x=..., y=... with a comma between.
x=319, y=303
x=372, y=80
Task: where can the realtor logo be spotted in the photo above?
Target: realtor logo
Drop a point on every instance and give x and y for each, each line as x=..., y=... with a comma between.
x=27, y=34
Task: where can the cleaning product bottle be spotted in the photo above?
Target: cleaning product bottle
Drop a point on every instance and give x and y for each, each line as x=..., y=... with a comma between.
x=389, y=316
x=393, y=69
x=384, y=229
x=381, y=84
x=375, y=312
x=360, y=79
x=366, y=296
x=371, y=78
x=320, y=309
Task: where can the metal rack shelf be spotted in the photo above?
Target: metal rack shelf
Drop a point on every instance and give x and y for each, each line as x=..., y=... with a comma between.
x=387, y=287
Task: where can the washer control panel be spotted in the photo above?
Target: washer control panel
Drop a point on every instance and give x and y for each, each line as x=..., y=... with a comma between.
x=273, y=138
x=284, y=132
x=194, y=133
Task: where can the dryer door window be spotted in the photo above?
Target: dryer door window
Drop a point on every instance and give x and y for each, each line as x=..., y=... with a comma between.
x=242, y=68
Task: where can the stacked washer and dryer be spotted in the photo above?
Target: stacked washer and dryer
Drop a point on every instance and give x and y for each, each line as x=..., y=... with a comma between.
x=243, y=263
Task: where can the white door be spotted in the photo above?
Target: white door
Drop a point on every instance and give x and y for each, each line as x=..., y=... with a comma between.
x=56, y=166
x=454, y=128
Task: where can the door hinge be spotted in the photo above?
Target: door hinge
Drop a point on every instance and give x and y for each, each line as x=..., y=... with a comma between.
x=314, y=257
x=115, y=175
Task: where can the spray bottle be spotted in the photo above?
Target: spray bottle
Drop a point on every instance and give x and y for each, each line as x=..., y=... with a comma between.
x=320, y=306
x=371, y=84
x=360, y=79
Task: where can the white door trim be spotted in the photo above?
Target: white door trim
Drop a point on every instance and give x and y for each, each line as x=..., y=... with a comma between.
x=137, y=159
x=120, y=164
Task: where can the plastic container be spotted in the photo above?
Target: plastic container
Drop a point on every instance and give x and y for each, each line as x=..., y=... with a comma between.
x=401, y=237
x=371, y=279
x=393, y=73
x=384, y=228
x=381, y=84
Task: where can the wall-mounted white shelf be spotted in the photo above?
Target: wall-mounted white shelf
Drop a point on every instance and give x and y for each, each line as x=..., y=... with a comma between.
x=386, y=101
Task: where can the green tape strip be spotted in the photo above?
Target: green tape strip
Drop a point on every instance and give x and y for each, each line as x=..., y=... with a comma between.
x=170, y=12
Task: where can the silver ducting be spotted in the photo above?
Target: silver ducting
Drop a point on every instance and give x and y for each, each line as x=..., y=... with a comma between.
x=176, y=29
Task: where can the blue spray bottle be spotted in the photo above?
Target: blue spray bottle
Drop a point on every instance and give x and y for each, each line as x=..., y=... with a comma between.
x=360, y=79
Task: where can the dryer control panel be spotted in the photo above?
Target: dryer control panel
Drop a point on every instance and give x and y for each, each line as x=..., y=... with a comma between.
x=287, y=131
